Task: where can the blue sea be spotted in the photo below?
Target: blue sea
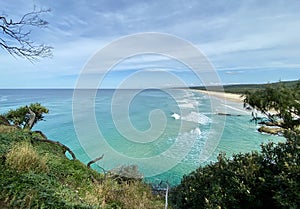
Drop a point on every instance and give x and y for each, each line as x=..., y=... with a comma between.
x=167, y=133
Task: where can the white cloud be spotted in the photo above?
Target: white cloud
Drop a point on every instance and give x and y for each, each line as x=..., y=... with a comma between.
x=235, y=35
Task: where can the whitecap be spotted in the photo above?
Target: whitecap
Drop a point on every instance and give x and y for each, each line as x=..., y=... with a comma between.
x=185, y=143
x=196, y=131
x=187, y=103
x=197, y=118
x=3, y=98
x=175, y=116
x=237, y=109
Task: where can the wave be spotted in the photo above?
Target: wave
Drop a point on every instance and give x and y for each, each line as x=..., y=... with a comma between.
x=175, y=116
x=3, y=98
x=185, y=142
x=187, y=106
x=237, y=109
x=196, y=131
x=187, y=103
x=197, y=117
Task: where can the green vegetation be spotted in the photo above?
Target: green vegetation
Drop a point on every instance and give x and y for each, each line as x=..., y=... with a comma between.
x=242, y=88
x=283, y=102
x=35, y=174
x=26, y=117
x=270, y=179
x=266, y=179
x=22, y=157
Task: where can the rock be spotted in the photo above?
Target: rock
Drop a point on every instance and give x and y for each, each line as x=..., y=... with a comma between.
x=226, y=114
x=271, y=130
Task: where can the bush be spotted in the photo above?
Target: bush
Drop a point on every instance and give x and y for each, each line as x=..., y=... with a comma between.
x=7, y=129
x=23, y=157
x=127, y=195
x=21, y=116
x=29, y=180
x=269, y=179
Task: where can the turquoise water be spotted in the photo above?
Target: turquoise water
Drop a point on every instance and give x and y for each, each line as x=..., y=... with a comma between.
x=198, y=122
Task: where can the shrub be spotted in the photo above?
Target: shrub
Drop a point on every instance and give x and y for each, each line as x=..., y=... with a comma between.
x=269, y=179
x=23, y=157
x=7, y=129
x=26, y=116
x=127, y=195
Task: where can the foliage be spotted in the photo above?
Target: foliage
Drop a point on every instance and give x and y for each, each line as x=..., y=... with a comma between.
x=283, y=103
x=270, y=179
x=20, y=117
x=6, y=128
x=3, y=120
x=127, y=195
x=242, y=88
x=23, y=158
x=127, y=173
x=65, y=184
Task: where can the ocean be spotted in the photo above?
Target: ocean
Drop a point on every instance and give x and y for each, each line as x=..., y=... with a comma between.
x=167, y=133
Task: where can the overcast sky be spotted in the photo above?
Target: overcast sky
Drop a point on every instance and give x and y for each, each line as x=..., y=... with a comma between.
x=246, y=41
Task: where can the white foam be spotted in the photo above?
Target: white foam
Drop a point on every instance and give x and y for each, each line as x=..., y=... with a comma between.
x=188, y=103
x=3, y=98
x=237, y=109
x=175, y=116
x=184, y=141
x=196, y=131
x=197, y=118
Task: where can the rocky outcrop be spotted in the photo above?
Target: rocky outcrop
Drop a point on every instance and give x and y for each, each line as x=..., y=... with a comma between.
x=271, y=130
x=227, y=114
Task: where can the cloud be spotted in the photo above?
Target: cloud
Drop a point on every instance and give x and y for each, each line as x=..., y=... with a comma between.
x=236, y=36
x=234, y=72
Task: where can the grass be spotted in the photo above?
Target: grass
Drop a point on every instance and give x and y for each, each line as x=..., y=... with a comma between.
x=35, y=174
x=23, y=158
x=7, y=129
x=133, y=195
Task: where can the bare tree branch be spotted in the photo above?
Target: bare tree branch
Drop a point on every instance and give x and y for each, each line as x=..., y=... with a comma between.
x=94, y=161
x=65, y=148
x=15, y=36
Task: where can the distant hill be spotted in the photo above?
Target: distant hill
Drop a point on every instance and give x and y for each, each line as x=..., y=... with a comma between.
x=241, y=88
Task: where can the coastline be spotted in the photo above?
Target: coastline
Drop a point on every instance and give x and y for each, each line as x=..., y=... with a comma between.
x=222, y=95
x=236, y=98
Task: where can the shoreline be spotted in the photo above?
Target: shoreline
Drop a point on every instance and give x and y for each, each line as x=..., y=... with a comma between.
x=236, y=98
x=222, y=95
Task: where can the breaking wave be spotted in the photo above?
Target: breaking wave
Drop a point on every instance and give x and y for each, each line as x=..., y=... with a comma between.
x=197, y=117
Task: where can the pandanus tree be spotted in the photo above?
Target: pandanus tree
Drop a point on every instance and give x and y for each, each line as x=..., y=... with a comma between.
x=26, y=116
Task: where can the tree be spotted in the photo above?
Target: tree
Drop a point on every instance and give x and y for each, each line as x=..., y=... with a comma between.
x=26, y=116
x=266, y=179
x=269, y=179
x=281, y=105
x=15, y=36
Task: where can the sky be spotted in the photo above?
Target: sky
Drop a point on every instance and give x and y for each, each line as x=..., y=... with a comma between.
x=247, y=41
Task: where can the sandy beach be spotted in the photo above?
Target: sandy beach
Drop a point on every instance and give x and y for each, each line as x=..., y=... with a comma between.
x=223, y=95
